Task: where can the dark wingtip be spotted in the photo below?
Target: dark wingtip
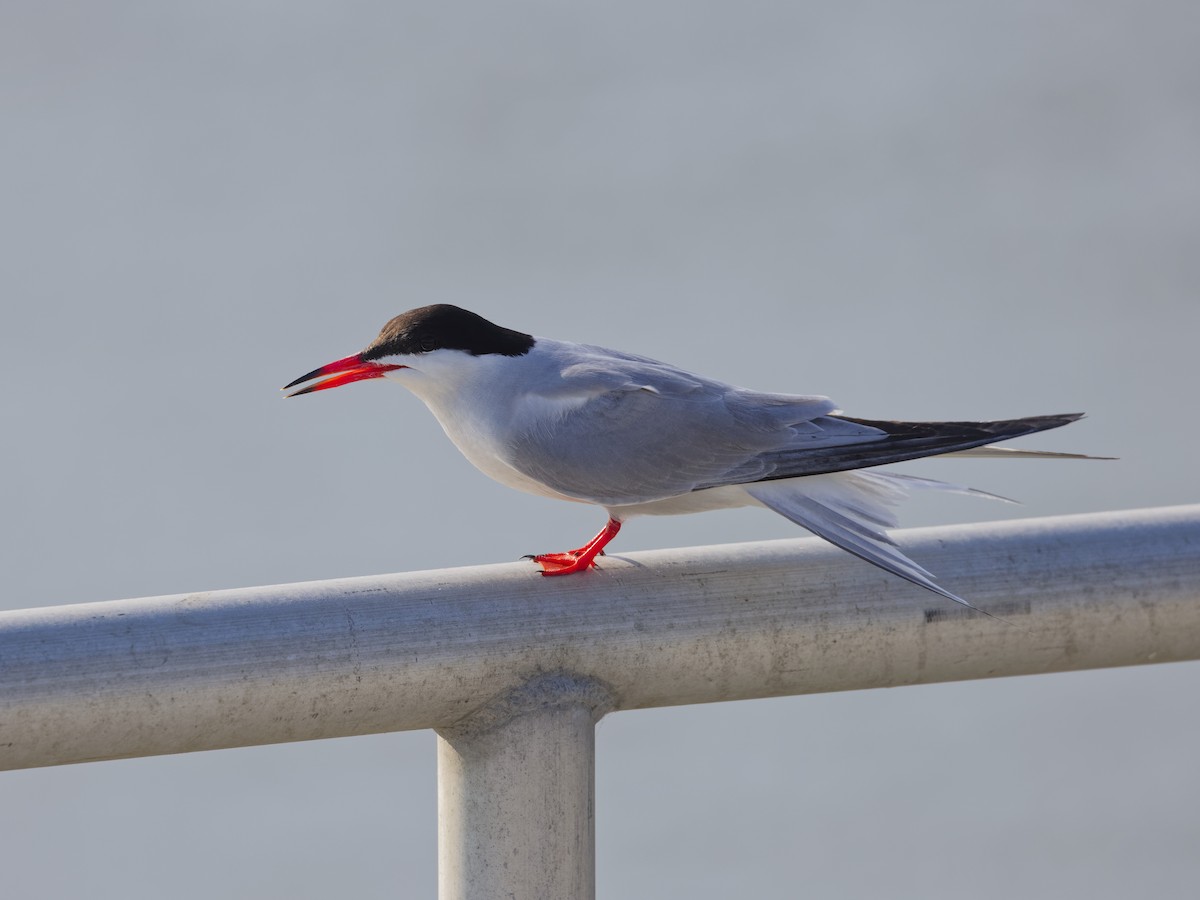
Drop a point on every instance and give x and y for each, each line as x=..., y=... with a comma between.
x=1045, y=423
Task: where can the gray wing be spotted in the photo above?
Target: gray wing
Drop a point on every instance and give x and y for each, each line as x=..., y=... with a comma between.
x=635, y=430
x=630, y=430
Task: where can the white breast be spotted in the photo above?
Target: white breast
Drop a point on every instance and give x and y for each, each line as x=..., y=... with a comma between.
x=482, y=401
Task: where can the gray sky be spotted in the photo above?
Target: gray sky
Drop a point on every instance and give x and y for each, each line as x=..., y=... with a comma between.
x=925, y=210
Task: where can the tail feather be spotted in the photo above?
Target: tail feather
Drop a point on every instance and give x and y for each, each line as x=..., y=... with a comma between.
x=843, y=507
x=1013, y=453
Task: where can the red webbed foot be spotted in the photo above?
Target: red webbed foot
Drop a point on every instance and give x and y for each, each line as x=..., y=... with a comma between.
x=577, y=560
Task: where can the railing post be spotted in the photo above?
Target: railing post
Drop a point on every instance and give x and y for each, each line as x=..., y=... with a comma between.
x=516, y=794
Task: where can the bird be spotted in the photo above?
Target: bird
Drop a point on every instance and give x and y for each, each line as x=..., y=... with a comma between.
x=636, y=436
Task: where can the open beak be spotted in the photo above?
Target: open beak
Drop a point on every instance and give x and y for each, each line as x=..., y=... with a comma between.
x=343, y=371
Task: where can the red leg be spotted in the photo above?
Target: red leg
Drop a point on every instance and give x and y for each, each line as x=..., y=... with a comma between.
x=578, y=560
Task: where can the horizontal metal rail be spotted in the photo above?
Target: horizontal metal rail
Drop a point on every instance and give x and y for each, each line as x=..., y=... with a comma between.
x=427, y=649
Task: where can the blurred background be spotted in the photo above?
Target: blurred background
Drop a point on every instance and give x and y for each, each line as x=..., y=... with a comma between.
x=928, y=210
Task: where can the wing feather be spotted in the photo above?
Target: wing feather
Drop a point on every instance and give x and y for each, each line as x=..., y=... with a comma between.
x=628, y=430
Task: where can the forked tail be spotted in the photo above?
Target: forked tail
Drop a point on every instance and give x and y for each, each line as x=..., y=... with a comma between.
x=851, y=509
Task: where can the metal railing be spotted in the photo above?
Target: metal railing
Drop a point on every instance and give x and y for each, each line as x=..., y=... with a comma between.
x=513, y=670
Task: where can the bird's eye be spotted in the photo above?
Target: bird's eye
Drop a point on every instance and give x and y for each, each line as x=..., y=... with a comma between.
x=428, y=342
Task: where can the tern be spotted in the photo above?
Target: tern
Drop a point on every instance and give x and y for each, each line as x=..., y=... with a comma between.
x=641, y=437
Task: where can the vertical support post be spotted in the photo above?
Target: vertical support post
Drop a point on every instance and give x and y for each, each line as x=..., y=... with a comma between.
x=516, y=795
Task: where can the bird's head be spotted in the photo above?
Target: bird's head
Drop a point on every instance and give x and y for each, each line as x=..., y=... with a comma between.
x=420, y=341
